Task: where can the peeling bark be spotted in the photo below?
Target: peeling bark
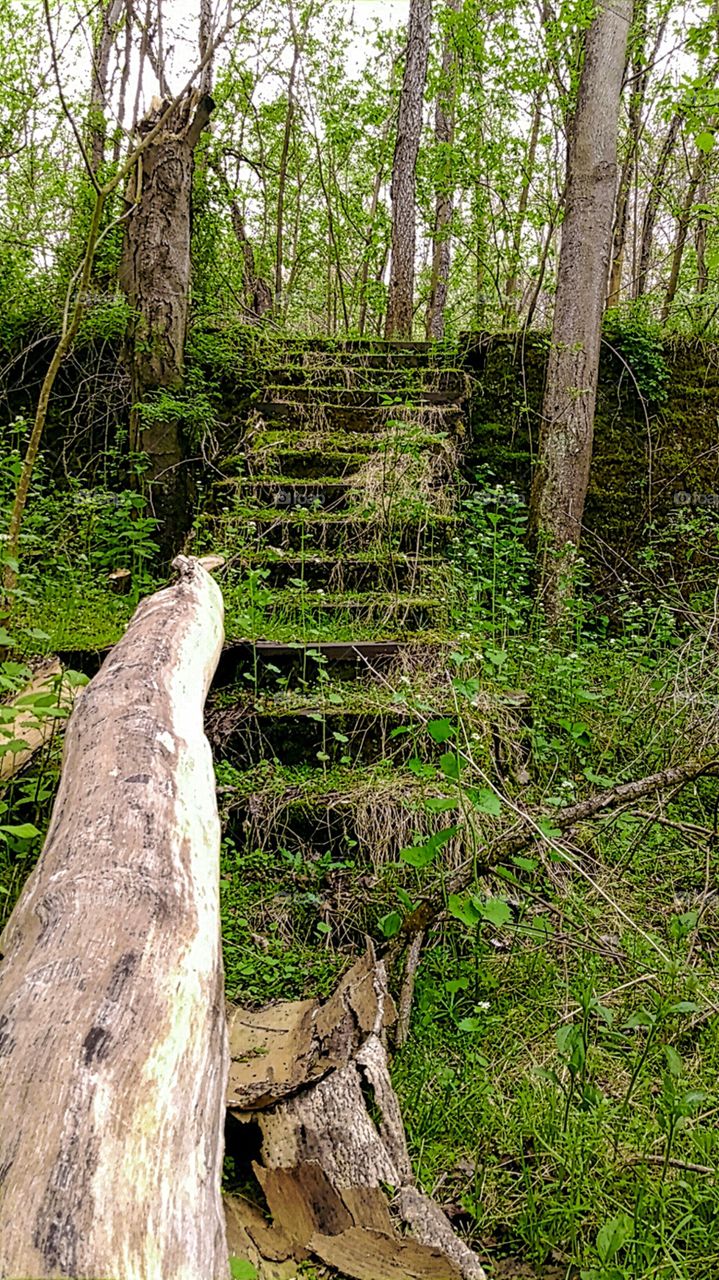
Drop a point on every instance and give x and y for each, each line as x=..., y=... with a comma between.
x=333, y=1141
x=113, y=1050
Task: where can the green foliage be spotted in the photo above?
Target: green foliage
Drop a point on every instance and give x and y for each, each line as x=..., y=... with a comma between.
x=638, y=338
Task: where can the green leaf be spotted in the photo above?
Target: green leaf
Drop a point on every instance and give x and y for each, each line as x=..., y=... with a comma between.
x=462, y=908
x=440, y=730
x=422, y=855
x=440, y=804
x=548, y=829
x=25, y=831
x=451, y=765
x=613, y=1236
x=5, y=637
x=241, y=1269
x=323, y=927
x=487, y=801
x=525, y=864
x=705, y=141
x=390, y=924
x=456, y=984
x=674, y=1062
x=496, y=911
x=471, y=1024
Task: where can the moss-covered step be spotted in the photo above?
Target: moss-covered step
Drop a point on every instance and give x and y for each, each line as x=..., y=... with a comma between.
x=305, y=464
x=286, y=493
x=269, y=664
x=375, y=811
x=315, y=735
x=393, y=613
x=422, y=532
x=445, y=419
x=359, y=377
x=357, y=399
x=380, y=571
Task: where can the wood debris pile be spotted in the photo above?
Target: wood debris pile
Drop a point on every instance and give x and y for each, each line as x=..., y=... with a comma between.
x=333, y=1169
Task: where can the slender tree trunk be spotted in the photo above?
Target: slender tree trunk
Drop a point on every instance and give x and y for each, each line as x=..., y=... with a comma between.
x=565, y=445
x=284, y=165
x=113, y=1040
x=641, y=284
x=258, y=293
x=155, y=276
x=400, y=302
x=109, y=18
x=695, y=177
x=515, y=252
x=444, y=122
x=700, y=241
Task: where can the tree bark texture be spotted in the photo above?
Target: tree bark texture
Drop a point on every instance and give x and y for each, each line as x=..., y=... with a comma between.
x=695, y=177
x=109, y=17
x=155, y=276
x=444, y=123
x=649, y=218
x=113, y=1041
x=404, y=172
x=566, y=436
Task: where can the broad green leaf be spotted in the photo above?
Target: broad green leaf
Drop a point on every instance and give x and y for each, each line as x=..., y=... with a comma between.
x=674, y=1062
x=487, y=801
x=25, y=831
x=496, y=911
x=613, y=1236
x=462, y=908
x=548, y=829
x=440, y=730
x=451, y=765
x=525, y=864
x=705, y=141
x=390, y=924
x=241, y=1269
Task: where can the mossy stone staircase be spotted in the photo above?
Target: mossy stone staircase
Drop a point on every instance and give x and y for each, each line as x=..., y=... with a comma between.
x=335, y=510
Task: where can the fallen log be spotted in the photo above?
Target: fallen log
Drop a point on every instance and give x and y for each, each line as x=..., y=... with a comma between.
x=313, y=1079
x=31, y=719
x=113, y=1055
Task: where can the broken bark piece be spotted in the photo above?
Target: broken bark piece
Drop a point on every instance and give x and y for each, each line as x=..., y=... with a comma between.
x=112, y=1029
x=251, y=1237
x=428, y=1224
x=367, y=1255
x=334, y=1142
x=278, y=1050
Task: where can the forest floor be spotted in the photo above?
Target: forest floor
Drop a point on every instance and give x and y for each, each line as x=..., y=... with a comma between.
x=559, y=1081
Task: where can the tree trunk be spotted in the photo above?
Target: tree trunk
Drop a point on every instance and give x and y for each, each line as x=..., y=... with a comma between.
x=444, y=121
x=155, y=276
x=284, y=164
x=112, y=1028
x=565, y=443
x=404, y=172
x=695, y=178
x=651, y=207
x=700, y=241
x=515, y=255
x=109, y=18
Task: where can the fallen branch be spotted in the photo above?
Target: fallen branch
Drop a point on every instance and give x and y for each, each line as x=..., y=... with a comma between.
x=619, y=797
x=38, y=708
x=112, y=1027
